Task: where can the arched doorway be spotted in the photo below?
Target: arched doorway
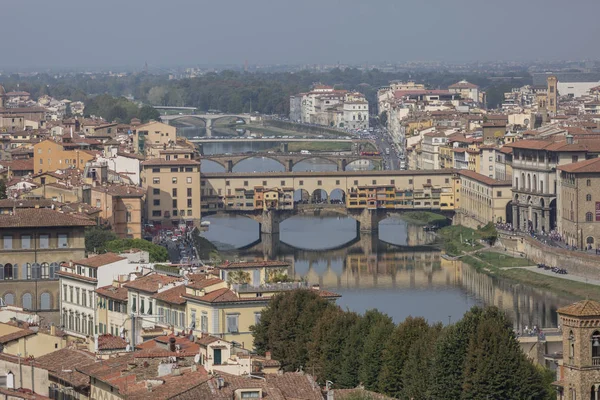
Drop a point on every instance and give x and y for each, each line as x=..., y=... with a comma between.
x=552, y=215
x=301, y=196
x=509, y=212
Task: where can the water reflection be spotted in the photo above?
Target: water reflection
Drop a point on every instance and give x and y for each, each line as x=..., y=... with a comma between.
x=396, y=270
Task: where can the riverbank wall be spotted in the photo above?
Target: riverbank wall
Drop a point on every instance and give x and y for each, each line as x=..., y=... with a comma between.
x=463, y=219
x=576, y=263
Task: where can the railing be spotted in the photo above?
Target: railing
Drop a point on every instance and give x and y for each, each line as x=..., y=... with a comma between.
x=596, y=361
x=269, y=287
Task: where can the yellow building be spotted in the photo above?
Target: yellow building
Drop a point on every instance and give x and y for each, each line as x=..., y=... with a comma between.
x=474, y=159
x=273, y=198
x=483, y=198
x=27, y=342
x=172, y=191
x=111, y=313
x=153, y=133
x=51, y=156
x=122, y=208
x=227, y=307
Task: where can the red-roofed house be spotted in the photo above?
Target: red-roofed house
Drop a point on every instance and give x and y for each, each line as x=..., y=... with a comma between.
x=466, y=90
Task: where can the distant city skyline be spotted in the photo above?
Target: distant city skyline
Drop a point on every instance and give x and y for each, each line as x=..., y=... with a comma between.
x=115, y=33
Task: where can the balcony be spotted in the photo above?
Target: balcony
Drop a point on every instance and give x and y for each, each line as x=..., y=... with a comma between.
x=596, y=361
x=269, y=287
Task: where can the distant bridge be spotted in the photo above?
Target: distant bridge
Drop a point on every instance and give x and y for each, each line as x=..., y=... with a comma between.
x=288, y=160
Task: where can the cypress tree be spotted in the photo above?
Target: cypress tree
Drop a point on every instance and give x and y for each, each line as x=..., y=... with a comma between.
x=416, y=371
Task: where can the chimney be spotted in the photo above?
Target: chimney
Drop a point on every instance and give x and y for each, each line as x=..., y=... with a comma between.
x=52, y=330
x=569, y=139
x=268, y=355
x=172, y=344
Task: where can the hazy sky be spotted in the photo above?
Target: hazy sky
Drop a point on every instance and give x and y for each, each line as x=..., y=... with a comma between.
x=175, y=32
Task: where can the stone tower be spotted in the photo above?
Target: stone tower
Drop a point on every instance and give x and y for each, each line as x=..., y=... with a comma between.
x=580, y=370
x=2, y=97
x=552, y=104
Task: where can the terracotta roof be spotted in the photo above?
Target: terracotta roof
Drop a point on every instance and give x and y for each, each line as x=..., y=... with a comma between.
x=18, y=165
x=151, y=283
x=161, y=344
x=582, y=167
x=121, y=190
x=160, y=161
x=483, y=179
x=463, y=85
x=9, y=337
x=21, y=394
x=76, y=276
x=42, y=217
x=204, y=283
x=583, y=308
x=225, y=295
x=110, y=342
x=115, y=293
x=173, y=295
x=254, y=264
x=99, y=260
x=68, y=359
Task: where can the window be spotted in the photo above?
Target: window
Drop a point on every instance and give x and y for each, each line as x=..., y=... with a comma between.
x=410, y=181
x=156, y=192
x=589, y=217
x=45, y=301
x=128, y=216
x=9, y=299
x=174, y=180
x=142, y=305
x=76, y=295
x=174, y=203
x=189, y=192
x=499, y=193
x=45, y=267
x=133, y=303
x=232, y=323
x=8, y=242
x=156, y=181
x=174, y=169
x=301, y=183
x=98, y=203
x=264, y=183
x=149, y=307
x=282, y=183
x=27, y=301
x=251, y=395
x=204, y=322
x=429, y=181
x=174, y=192
x=156, y=202
x=189, y=203
x=155, y=169
x=189, y=169
x=44, y=241
x=245, y=183
x=156, y=213
x=256, y=318
x=574, y=159
x=84, y=297
x=188, y=179
x=62, y=240
x=319, y=183
x=26, y=241
x=588, y=197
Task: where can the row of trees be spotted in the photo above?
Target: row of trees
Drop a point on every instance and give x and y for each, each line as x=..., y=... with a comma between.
x=231, y=91
x=118, y=109
x=101, y=240
x=476, y=358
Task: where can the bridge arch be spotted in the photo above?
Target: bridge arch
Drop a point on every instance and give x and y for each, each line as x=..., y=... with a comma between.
x=319, y=196
x=238, y=160
x=298, y=167
x=337, y=196
x=301, y=196
x=178, y=117
x=209, y=165
x=360, y=164
x=232, y=118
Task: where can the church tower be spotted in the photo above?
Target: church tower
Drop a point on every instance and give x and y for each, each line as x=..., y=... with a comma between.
x=2, y=97
x=552, y=95
x=580, y=370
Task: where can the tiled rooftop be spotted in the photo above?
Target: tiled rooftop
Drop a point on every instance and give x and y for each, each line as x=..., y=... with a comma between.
x=151, y=283
x=42, y=217
x=99, y=260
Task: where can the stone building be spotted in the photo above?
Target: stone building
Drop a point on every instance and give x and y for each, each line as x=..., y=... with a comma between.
x=35, y=242
x=483, y=198
x=579, y=374
x=580, y=203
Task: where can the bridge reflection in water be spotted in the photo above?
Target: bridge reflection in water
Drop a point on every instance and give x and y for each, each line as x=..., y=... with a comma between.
x=408, y=277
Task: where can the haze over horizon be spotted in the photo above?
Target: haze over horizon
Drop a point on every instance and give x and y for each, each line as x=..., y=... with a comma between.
x=109, y=33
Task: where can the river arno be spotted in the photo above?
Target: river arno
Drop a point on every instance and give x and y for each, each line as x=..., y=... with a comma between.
x=396, y=271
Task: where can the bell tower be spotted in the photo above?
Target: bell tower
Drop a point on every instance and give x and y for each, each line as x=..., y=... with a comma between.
x=580, y=370
x=552, y=95
x=2, y=97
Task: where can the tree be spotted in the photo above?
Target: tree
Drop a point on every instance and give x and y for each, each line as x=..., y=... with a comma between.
x=68, y=112
x=148, y=112
x=375, y=341
x=447, y=373
x=96, y=238
x=157, y=253
x=383, y=118
x=395, y=354
x=325, y=350
x=286, y=326
x=495, y=367
x=416, y=372
x=3, y=194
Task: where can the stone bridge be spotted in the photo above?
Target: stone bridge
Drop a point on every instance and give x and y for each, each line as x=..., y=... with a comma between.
x=288, y=160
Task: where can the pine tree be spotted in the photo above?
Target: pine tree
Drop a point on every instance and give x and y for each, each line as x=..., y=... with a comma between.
x=395, y=354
